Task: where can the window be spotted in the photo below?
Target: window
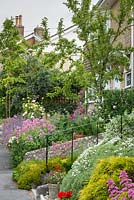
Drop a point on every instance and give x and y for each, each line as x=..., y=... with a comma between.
x=116, y=84
x=108, y=24
x=107, y=87
x=128, y=79
x=89, y=95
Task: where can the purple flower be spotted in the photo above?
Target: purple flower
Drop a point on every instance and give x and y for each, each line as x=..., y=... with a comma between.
x=127, y=187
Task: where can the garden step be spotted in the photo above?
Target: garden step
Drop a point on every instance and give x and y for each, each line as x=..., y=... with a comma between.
x=8, y=188
x=4, y=158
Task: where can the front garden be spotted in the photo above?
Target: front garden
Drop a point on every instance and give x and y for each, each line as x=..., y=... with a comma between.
x=52, y=136
x=52, y=150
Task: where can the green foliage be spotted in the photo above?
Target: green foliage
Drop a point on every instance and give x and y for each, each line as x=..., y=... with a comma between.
x=105, y=169
x=29, y=173
x=111, y=145
x=29, y=179
x=103, y=53
x=116, y=102
x=32, y=109
x=12, y=59
x=113, y=128
x=20, y=146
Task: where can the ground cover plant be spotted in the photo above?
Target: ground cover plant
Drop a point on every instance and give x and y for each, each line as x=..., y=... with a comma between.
x=112, y=145
x=108, y=168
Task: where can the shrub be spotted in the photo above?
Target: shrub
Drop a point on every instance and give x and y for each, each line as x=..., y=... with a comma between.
x=27, y=166
x=105, y=169
x=83, y=166
x=25, y=135
x=32, y=109
x=113, y=128
x=29, y=173
x=115, y=102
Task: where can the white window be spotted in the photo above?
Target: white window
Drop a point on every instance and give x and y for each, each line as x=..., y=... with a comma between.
x=116, y=84
x=89, y=95
x=108, y=24
x=107, y=87
x=128, y=79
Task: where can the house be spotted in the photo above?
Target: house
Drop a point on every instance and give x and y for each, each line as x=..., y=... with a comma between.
x=32, y=38
x=127, y=39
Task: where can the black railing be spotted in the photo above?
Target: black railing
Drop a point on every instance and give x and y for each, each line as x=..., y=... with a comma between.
x=71, y=129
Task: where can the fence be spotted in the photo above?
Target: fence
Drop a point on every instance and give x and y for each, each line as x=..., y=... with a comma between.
x=71, y=129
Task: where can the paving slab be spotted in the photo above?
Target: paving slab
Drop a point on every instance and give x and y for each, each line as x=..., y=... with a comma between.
x=8, y=188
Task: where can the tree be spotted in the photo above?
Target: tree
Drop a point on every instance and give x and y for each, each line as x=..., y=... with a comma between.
x=12, y=51
x=103, y=56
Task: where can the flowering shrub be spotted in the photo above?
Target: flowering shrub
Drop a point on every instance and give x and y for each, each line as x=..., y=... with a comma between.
x=9, y=126
x=80, y=110
x=113, y=128
x=22, y=136
x=82, y=167
x=126, y=189
x=32, y=109
x=18, y=126
x=64, y=195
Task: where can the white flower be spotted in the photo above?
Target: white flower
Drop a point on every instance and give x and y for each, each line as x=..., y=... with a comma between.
x=10, y=141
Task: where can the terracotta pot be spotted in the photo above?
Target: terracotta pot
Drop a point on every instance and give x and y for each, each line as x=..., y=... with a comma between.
x=76, y=136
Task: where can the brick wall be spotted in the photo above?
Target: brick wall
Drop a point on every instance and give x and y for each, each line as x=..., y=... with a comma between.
x=126, y=37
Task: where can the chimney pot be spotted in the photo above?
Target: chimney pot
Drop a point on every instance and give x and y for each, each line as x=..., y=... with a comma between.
x=20, y=20
x=17, y=20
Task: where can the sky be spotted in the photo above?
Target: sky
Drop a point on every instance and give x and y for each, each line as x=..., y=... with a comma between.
x=33, y=11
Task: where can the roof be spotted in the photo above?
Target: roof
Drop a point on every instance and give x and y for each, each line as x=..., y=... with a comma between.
x=106, y=3
x=31, y=35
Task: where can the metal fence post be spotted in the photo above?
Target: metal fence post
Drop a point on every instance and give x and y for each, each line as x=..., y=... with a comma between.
x=47, y=153
x=72, y=147
x=97, y=131
x=121, y=128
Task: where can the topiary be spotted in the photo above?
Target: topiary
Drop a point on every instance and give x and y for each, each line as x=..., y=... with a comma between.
x=105, y=169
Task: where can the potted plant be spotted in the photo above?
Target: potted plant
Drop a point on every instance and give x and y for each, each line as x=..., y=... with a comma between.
x=54, y=180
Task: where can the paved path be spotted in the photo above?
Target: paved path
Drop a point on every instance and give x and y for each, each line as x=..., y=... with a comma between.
x=8, y=189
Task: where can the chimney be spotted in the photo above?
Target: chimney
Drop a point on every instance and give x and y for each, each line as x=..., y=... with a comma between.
x=20, y=20
x=39, y=31
x=16, y=20
x=19, y=25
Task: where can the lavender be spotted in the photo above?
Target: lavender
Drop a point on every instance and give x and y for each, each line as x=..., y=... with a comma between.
x=9, y=126
x=16, y=126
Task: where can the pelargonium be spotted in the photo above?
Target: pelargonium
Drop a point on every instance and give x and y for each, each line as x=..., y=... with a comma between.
x=65, y=195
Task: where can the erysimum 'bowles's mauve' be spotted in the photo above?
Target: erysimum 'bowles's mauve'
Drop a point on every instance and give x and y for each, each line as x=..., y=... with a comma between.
x=64, y=195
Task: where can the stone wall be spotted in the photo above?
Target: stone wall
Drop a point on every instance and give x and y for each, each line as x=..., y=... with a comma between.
x=62, y=149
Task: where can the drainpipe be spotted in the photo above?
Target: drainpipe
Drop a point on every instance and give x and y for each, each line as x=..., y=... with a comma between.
x=132, y=54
